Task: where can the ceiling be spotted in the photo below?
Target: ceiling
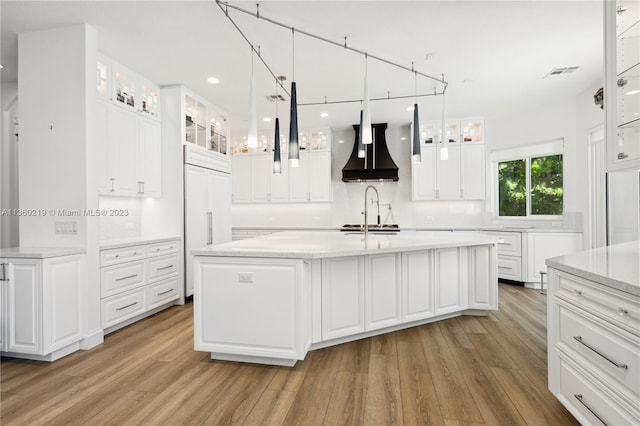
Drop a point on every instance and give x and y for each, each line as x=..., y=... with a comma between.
x=494, y=54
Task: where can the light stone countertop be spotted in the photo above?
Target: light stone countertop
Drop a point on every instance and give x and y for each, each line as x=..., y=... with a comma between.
x=323, y=244
x=129, y=242
x=527, y=229
x=616, y=266
x=40, y=252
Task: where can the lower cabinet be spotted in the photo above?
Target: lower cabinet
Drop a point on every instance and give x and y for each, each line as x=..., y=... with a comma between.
x=342, y=296
x=593, y=339
x=449, y=281
x=418, y=301
x=136, y=280
x=382, y=292
x=41, y=306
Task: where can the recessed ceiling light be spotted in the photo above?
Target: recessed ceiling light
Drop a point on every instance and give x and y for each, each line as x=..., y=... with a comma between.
x=267, y=119
x=409, y=108
x=632, y=92
x=1, y=66
x=403, y=138
x=213, y=80
x=324, y=114
x=340, y=141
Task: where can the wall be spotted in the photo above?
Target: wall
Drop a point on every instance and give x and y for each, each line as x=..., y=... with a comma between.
x=9, y=166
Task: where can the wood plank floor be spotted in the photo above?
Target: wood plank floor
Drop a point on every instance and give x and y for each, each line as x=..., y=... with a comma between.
x=468, y=370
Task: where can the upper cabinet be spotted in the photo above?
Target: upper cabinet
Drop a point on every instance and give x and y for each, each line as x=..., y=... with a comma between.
x=123, y=87
x=622, y=86
x=461, y=176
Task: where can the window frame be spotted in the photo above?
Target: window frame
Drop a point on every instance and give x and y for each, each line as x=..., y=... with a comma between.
x=544, y=149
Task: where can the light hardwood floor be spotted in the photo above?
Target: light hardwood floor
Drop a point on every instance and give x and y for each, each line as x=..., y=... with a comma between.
x=469, y=370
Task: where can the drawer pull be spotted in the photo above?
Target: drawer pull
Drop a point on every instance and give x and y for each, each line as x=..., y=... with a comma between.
x=505, y=267
x=126, y=306
x=577, y=292
x=117, y=256
x=579, y=340
x=622, y=312
x=127, y=277
x=581, y=401
x=164, y=267
x=165, y=292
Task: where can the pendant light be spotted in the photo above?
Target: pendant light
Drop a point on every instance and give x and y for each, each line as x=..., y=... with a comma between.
x=252, y=136
x=444, y=149
x=277, y=165
x=361, y=147
x=417, y=155
x=294, y=147
x=367, y=137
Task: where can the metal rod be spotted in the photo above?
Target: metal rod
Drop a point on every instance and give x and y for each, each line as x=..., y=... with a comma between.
x=317, y=37
x=387, y=98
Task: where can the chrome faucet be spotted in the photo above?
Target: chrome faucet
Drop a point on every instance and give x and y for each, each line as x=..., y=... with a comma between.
x=366, y=219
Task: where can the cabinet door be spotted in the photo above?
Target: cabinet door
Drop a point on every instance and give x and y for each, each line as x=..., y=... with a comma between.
x=448, y=280
x=299, y=179
x=472, y=172
x=482, y=277
x=448, y=180
x=320, y=176
x=260, y=182
x=62, y=301
x=382, y=278
x=280, y=183
x=423, y=175
x=125, y=134
x=241, y=178
x=4, y=288
x=150, y=166
x=219, y=195
x=24, y=307
x=541, y=246
x=104, y=147
x=418, y=297
x=196, y=220
x=342, y=297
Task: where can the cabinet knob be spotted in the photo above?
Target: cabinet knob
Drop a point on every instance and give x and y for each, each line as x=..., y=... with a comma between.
x=622, y=156
x=622, y=312
x=577, y=292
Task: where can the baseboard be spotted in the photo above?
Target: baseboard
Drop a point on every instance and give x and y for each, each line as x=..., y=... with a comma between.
x=93, y=339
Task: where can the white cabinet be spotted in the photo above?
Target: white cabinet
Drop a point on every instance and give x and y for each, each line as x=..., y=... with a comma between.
x=124, y=179
x=509, y=254
x=462, y=174
x=270, y=326
x=42, y=306
x=342, y=297
x=311, y=180
x=149, y=165
x=622, y=84
x=482, y=277
x=594, y=349
x=241, y=177
x=418, y=300
x=207, y=212
x=450, y=280
x=382, y=292
x=136, y=281
x=261, y=170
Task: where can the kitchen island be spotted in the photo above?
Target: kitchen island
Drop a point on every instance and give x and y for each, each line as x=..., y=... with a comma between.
x=273, y=298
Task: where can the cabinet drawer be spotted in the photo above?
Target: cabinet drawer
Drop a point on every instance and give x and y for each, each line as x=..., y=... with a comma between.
x=509, y=244
x=510, y=267
x=611, y=353
x=589, y=401
x=162, y=292
x=163, y=248
x=118, y=308
x=118, y=278
x=601, y=301
x=162, y=267
x=119, y=255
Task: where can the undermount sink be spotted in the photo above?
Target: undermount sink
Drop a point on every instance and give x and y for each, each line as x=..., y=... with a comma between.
x=357, y=228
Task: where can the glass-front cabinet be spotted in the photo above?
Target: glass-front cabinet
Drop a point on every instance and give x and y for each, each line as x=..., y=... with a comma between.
x=217, y=132
x=195, y=120
x=622, y=92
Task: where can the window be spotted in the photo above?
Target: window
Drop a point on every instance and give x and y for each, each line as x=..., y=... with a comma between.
x=530, y=181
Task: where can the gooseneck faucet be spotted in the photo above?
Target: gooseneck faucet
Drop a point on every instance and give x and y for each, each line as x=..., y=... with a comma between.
x=366, y=219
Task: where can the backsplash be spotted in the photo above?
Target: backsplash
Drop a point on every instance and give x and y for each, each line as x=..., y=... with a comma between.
x=123, y=218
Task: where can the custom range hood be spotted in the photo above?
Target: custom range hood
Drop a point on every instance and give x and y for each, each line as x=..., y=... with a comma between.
x=377, y=164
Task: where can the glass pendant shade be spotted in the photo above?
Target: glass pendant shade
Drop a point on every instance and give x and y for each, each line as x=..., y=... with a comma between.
x=252, y=136
x=444, y=150
x=367, y=137
x=294, y=147
x=361, y=147
x=277, y=165
x=416, y=154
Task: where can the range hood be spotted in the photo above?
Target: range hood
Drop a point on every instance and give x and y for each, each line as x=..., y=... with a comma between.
x=377, y=164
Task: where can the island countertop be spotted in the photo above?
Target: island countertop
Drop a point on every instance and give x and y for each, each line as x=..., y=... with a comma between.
x=616, y=266
x=325, y=244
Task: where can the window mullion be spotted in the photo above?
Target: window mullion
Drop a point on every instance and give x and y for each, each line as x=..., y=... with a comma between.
x=528, y=183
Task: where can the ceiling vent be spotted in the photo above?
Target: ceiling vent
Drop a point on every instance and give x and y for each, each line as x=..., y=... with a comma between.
x=273, y=98
x=557, y=72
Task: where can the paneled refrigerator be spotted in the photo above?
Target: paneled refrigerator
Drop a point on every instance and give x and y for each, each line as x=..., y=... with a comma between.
x=623, y=207
x=207, y=204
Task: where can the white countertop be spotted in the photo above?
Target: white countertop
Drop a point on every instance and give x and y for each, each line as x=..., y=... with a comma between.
x=40, y=252
x=410, y=228
x=321, y=244
x=616, y=266
x=128, y=242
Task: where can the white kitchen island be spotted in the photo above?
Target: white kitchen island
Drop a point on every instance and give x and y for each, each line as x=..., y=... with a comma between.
x=273, y=298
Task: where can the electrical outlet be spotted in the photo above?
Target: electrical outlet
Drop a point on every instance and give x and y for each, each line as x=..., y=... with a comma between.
x=66, y=228
x=245, y=277
x=556, y=224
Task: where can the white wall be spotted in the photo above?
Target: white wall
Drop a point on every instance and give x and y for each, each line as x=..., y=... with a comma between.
x=348, y=198
x=9, y=165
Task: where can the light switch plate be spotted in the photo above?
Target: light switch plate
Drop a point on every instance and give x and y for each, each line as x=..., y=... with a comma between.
x=66, y=228
x=245, y=277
